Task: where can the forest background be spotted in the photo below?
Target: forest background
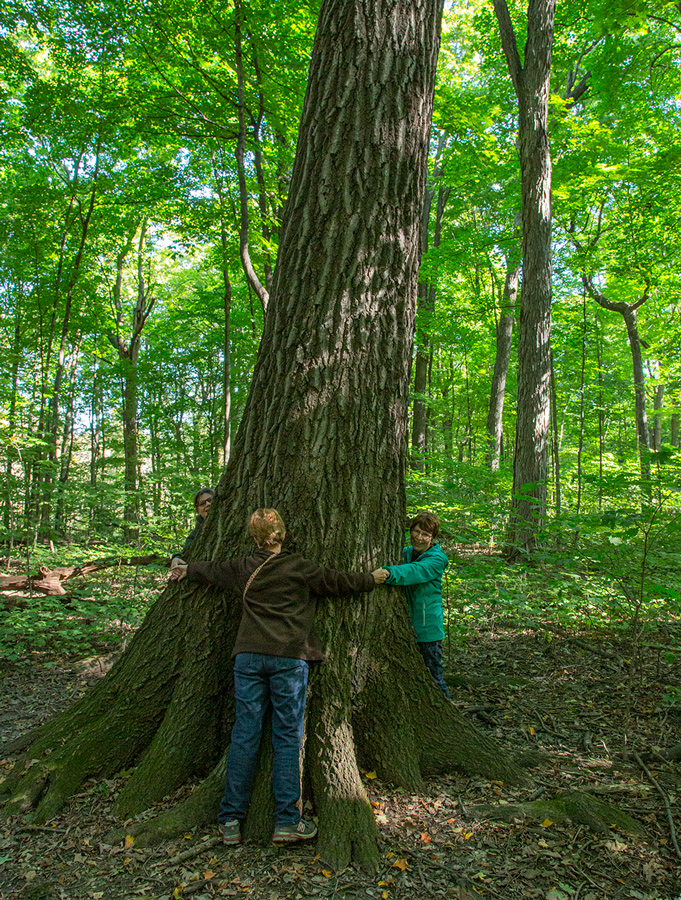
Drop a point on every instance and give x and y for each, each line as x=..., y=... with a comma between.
x=145, y=160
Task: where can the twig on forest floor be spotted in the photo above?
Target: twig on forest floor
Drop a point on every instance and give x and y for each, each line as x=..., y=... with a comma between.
x=542, y=724
x=428, y=889
x=662, y=794
x=194, y=887
x=585, y=875
x=46, y=828
x=578, y=891
x=195, y=851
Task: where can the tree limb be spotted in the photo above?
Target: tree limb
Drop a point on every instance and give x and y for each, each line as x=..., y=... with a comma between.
x=509, y=44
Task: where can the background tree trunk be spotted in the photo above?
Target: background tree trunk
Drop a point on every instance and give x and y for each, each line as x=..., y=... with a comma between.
x=495, y=415
x=128, y=354
x=531, y=81
x=657, y=419
x=629, y=312
x=425, y=307
x=324, y=439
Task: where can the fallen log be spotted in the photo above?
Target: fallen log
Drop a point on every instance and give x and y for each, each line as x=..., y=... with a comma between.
x=49, y=581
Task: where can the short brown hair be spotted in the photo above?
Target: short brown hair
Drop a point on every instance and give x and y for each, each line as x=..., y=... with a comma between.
x=267, y=527
x=199, y=494
x=426, y=521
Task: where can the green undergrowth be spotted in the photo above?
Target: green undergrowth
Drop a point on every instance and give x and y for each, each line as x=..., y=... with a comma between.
x=614, y=568
x=481, y=590
x=97, y=615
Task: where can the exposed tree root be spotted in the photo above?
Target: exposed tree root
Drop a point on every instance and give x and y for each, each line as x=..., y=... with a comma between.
x=347, y=828
x=199, y=809
x=570, y=806
x=107, y=729
x=187, y=739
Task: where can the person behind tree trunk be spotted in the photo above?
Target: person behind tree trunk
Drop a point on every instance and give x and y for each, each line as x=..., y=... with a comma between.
x=202, y=503
x=275, y=643
x=421, y=575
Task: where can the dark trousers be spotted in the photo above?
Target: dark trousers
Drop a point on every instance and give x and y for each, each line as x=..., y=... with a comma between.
x=431, y=651
x=259, y=680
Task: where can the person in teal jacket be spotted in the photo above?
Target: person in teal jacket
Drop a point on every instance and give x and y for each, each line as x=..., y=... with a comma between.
x=421, y=576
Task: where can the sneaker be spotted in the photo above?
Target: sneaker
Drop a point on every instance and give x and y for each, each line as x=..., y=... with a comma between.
x=230, y=831
x=300, y=831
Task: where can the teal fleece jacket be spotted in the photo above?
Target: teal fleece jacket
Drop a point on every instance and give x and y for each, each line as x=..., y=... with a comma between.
x=422, y=581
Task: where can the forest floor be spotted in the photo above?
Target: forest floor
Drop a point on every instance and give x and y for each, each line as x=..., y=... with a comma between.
x=563, y=692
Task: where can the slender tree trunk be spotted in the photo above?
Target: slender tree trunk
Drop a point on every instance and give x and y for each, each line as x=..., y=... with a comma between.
x=556, y=441
x=601, y=437
x=227, y=369
x=14, y=356
x=259, y=173
x=531, y=82
x=425, y=308
x=504, y=335
x=629, y=312
x=580, y=446
x=630, y=318
x=674, y=440
x=657, y=428
x=66, y=453
x=53, y=417
x=128, y=354
x=246, y=261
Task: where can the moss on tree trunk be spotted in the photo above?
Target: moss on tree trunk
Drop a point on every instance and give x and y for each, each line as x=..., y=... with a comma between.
x=324, y=439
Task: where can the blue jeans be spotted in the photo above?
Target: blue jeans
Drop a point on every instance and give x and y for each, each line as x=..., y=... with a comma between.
x=431, y=651
x=260, y=680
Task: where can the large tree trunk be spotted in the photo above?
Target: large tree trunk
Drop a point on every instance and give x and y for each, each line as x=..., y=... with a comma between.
x=531, y=81
x=324, y=439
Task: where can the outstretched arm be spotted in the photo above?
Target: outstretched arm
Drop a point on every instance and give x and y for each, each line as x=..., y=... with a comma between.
x=417, y=572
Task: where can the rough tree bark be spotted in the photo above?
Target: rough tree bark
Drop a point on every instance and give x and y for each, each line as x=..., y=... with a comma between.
x=531, y=80
x=324, y=439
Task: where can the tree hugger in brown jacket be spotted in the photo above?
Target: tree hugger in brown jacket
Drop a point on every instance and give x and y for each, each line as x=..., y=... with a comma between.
x=275, y=642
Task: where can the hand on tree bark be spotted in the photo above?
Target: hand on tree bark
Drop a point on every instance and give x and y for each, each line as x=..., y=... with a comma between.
x=380, y=575
x=178, y=572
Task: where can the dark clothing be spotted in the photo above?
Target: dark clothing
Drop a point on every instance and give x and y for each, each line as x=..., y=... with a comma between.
x=276, y=637
x=431, y=651
x=191, y=537
x=258, y=681
x=279, y=610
